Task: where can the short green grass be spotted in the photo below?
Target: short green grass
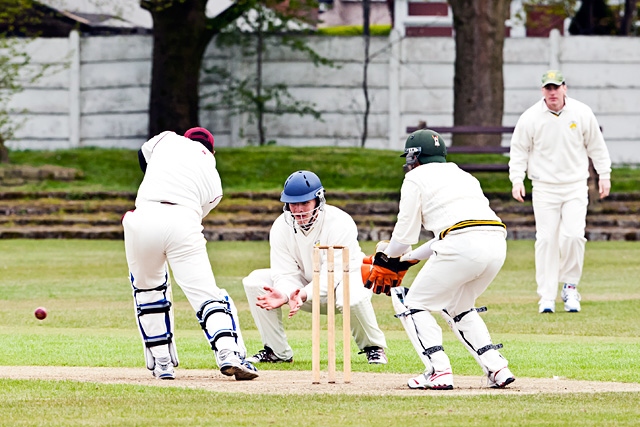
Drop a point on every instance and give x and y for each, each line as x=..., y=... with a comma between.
x=266, y=168
x=91, y=322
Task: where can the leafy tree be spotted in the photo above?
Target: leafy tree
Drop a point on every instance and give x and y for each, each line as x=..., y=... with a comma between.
x=181, y=33
x=267, y=25
x=630, y=13
x=594, y=17
x=10, y=64
x=479, y=82
x=591, y=17
x=15, y=65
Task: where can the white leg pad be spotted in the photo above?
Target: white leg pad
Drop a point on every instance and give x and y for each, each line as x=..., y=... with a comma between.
x=471, y=330
x=155, y=323
x=219, y=321
x=423, y=331
x=236, y=321
x=150, y=357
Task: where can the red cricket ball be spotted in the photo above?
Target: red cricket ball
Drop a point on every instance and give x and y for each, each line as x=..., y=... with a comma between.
x=40, y=313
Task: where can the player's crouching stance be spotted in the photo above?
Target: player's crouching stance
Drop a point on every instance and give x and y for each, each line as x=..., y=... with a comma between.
x=180, y=187
x=464, y=258
x=307, y=222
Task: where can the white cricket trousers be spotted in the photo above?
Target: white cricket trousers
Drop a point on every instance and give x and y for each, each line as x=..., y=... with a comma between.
x=364, y=325
x=156, y=234
x=560, y=212
x=463, y=265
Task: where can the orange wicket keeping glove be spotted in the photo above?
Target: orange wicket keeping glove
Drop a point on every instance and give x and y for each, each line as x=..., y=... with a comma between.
x=386, y=273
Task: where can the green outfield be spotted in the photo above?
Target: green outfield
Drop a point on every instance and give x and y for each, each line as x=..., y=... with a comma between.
x=266, y=168
x=85, y=288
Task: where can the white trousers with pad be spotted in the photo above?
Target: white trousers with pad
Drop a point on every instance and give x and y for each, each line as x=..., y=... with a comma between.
x=158, y=236
x=462, y=267
x=364, y=325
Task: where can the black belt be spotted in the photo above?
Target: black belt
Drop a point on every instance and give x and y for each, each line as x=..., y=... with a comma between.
x=168, y=203
x=471, y=223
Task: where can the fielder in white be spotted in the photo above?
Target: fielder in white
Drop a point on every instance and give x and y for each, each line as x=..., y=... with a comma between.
x=307, y=222
x=552, y=142
x=180, y=187
x=463, y=259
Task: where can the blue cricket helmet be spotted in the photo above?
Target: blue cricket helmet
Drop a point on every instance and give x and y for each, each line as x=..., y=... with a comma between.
x=302, y=186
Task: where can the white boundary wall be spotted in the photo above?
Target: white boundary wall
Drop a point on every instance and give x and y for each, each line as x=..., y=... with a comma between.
x=101, y=96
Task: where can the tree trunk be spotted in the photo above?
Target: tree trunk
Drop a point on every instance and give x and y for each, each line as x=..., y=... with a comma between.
x=478, y=82
x=627, y=19
x=4, y=152
x=180, y=37
x=366, y=33
x=260, y=103
x=392, y=10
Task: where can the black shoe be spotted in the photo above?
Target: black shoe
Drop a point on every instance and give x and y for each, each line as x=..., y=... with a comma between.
x=266, y=355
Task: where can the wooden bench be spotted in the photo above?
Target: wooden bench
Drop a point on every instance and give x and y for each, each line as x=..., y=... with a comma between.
x=497, y=167
x=454, y=149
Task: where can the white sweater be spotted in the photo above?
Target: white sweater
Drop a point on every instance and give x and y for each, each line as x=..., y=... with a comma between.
x=292, y=250
x=436, y=196
x=179, y=171
x=555, y=148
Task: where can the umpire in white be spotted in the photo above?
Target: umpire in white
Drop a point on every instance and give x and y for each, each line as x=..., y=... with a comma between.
x=180, y=187
x=464, y=258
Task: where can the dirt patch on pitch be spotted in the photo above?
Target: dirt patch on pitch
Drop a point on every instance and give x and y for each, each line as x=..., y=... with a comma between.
x=297, y=382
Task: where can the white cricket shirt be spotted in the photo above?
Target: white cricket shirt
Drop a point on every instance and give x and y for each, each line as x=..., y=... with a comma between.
x=179, y=171
x=292, y=251
x=436, y=196
x=555, y=148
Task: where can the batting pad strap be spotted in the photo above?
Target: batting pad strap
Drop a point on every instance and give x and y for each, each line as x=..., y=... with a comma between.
x=162, y=287
x=158, y=340
x=486, y=348
x=407, y=313
x=220, y=334
x=461, y=315
x=429, y=351
x=162, y=306
x=471, y=223
x=204, y=313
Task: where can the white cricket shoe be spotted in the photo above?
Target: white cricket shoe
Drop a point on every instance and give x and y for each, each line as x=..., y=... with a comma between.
x=266, y=355
x=164, y=369
x=546, y=306
x=501, y=378
x=571, y=298
x=231, y=364
x=441, y=380
x=375, y=355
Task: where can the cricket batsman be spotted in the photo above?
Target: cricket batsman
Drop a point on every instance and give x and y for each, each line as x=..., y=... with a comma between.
x=181, y=186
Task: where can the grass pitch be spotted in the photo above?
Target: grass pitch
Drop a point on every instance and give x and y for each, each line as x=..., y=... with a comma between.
x=91, y=322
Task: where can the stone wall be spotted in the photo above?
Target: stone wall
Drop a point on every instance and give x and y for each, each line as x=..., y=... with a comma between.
x=100, y=92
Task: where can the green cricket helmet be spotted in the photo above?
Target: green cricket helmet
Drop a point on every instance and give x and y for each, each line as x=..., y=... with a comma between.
x=426, y=146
